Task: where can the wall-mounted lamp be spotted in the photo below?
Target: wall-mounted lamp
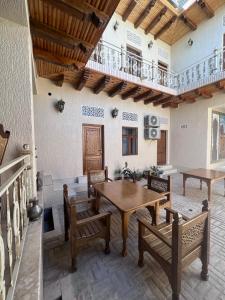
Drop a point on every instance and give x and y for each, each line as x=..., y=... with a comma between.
x=150, y=44
x=116, y=25
x=190, y=42
x=114, y=112
x=60, y=105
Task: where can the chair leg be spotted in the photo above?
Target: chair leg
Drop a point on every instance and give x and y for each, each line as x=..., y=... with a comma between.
x=107, y=236
x=107, y=248
x=141, y=258
x=73, y=255
x=176, y=284
x=204, y=273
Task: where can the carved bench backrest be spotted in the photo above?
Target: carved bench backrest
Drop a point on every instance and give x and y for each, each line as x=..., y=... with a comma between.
x=97, y=176
x=70, y=214
x=158, y=184
x=4, y=137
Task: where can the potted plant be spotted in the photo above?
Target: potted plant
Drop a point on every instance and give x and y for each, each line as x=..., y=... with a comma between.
x=155, y=171
x=127, y=173
x=117, y=174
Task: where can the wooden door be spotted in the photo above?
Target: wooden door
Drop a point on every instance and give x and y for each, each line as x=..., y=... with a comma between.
x=161, y=148
x=93, y=150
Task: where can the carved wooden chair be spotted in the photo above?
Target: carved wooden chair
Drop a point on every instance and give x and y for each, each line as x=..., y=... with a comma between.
x=175, y=246
x=164, y=187
x=96, y=176
x=82, y=227
x=4, y=137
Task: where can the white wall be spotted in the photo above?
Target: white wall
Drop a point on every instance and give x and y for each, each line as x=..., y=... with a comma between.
x=159, y=51
x=16, y=107
x=207, y=37
x=59, y=135
x=191, y=146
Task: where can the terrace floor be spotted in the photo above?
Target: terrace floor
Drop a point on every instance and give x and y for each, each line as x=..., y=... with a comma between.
x=113, y=277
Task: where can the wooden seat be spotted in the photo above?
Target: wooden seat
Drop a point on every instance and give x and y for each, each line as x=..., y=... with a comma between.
x=164, y=187
x=96, y=176
x=82, y=227
x=175, y=246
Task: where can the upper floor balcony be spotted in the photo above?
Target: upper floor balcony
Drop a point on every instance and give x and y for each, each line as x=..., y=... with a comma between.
x=130, y=67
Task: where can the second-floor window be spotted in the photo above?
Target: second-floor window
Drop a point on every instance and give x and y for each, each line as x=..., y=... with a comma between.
x=134, y=61
x=129, y=141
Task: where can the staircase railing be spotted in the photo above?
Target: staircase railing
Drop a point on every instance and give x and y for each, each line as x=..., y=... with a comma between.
x=15, y=192
x=208, y=70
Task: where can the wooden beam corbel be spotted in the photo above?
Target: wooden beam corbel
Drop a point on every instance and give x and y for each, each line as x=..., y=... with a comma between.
x=220, y=85
x=144, y=13
x=142, y=96
x=165, y=27
x=203, y=93
x=128, y=10
x=131, y=92
x=101, y=84
x=206, y=8
x=187, y=21
x=83, y=79
x=59, y=80
x=61, y=61
x=163, y=100
x=48, y=33
x=170, y=104
x=156, y=20
x=81, y=10
x=117, y=89
x=153, y=98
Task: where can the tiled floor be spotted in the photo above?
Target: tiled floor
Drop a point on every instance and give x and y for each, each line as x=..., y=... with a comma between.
x=112, y=277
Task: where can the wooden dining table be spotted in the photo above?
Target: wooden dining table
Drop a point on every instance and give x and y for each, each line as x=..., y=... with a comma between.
x=127, y=197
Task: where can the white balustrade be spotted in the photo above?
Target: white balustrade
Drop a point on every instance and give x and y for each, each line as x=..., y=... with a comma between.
x=15, y=191
x=208, y=70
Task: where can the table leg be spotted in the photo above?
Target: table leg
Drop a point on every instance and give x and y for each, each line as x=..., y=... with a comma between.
x=184, y=181
x=125, y=220
x=201, y=184
x=209, y=184
x=152, y=212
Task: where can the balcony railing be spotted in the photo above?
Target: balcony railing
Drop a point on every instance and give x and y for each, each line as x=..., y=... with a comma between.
x=115, y=60
x=15, y=191
x=208, y=70
x=118, y=59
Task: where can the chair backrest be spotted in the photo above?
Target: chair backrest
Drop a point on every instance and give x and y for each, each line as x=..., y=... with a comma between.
x=70, y=214
x=4, y=137
x=97, y=176
x=189, y=235
x=159, y=184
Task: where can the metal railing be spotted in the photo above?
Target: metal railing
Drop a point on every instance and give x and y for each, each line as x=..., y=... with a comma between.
x=114, y=59
x=118, y=59
x=15, y=191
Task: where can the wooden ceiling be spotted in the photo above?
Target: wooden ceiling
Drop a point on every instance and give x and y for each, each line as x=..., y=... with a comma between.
x=65, y=32
x=162, y=20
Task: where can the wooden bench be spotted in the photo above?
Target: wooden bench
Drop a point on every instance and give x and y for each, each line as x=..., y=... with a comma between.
x=164, y=187
x=82, y=227
x=175, y=246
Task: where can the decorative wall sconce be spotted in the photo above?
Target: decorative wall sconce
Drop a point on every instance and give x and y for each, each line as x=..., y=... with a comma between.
x=190, y=42
x=150, y=44
x=114, y=112
x=116, y=25
x=60, y=105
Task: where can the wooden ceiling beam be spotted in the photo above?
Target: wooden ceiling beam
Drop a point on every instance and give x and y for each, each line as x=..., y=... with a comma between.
x=59, y=80
x=142, y=96
x=44, y=31
x=80, y=10
x=163, y=100
x=117, y=89
x=156, y=20
x=206, y=8
x=83, y=79
x=153, y=98
x=57, y=60
x=144, y=13
x=131, y=92
x=165, y=27
x=129, y=9
x=203, y=93
x=101, y=84
x=187, y=21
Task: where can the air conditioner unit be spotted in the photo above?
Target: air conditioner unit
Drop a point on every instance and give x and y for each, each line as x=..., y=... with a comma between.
x=151, y=121
x=152, y=133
